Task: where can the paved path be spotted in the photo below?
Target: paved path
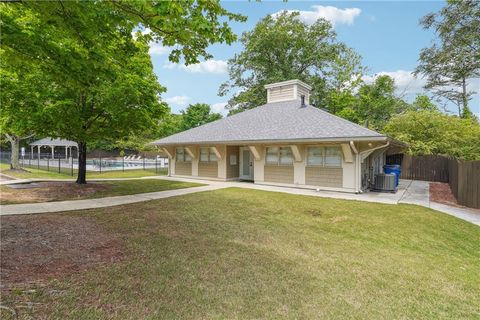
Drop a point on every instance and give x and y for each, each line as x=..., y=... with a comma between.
x=6, y=178
x=60, y=206
x=418, y=192
x=410, y=192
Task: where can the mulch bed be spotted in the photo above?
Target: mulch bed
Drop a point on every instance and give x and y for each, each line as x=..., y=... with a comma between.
x=440, y=192
x=37, y=248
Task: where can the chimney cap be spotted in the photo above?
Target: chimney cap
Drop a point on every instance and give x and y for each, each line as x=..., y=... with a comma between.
x=286, y=83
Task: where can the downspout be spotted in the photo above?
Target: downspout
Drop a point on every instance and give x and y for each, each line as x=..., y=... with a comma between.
x=355, y=178
x=371, y=150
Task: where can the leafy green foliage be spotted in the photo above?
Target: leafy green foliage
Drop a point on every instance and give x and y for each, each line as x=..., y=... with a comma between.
x=22, y=96
x=433, y=132
x=284, y=48
x=377, y=102
x=423, y=102
x=451, y=62
x=103, y=77
x=198, y=114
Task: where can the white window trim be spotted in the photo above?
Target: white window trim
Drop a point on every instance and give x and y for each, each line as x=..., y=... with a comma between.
x=209, y=155
x=324, y=155
x=184, y=156
x=277, y=163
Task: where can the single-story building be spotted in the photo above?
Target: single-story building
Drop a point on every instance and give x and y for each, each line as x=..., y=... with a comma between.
x=285, y=142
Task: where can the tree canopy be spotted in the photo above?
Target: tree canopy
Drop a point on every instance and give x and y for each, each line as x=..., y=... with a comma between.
x=282, y=47
x=23, y=93
x=198, y=114
x=108, y=90
x=433, y=132
x=454, y=58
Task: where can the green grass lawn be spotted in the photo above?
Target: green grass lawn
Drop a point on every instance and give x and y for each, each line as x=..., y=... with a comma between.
x=246, y=254
x=71, y=191
x=32, y=173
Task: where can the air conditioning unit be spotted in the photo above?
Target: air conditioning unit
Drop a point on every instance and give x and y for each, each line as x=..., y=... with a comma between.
x=385, y=182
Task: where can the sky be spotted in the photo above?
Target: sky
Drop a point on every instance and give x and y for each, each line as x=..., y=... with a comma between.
x=385, y=33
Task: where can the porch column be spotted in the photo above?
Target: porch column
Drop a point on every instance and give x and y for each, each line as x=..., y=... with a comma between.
x=53, y=151
x=221, y=153
x=298, y=165
x=38, y=150
x=259, y=165
x=31, y=152
x=194, y=152
x=66, y=152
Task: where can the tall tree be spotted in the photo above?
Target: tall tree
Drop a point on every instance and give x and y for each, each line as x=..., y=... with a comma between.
x=423, y=102
x=22, y=96
x=279, y=48
x=197, y=114
x=343, y=80
x=454, y=58
x=377, y=102
x=108, y=86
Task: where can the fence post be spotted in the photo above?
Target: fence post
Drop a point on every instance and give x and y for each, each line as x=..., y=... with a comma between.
x=71, y=172
x=156, y=165
x=58, y=165
x=38, y=162
x=144, y=163
x=100, y=165
x=123, y=164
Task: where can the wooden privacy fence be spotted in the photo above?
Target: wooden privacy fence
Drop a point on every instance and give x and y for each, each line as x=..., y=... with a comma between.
x=462, y=176
x=464, y=181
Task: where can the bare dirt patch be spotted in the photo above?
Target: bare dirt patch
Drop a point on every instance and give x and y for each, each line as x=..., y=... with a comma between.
x=38, y=248
x=51, y=191
x=440, y=192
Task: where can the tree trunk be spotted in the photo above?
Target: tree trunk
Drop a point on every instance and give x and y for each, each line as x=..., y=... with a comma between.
x=82, y=163
x=465, y=111
x=15, y=143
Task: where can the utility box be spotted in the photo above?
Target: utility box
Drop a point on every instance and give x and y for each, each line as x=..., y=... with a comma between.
x=385, y=182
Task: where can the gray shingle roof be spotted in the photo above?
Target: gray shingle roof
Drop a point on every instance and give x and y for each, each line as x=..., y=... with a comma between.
x=284, y=121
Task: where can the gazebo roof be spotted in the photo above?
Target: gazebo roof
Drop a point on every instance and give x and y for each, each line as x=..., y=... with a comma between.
x=54, y=142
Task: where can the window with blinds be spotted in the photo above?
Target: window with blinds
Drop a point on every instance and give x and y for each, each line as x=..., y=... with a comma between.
x=279, y=156
x=324, y=156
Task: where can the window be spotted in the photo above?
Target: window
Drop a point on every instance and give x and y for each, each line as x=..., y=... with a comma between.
x=272, y=155
x=204, y=154
x=286, y=156
x=182, y=155
x=315, y=156
x=324, y=156
x=207, y=155
x=333, y=157
x=279, y=155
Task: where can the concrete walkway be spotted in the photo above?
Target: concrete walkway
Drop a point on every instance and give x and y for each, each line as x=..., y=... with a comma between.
x=409, y=192
x=71, y=205
x=418, y=192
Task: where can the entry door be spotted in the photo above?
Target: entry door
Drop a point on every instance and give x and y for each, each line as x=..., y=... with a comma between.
x=246, y=164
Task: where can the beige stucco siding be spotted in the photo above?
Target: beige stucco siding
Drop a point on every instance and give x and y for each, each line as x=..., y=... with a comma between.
x=233, y=169
x=183, y=168
x=281, y=93
x=278, y=174
x=324, y=176
x=208, y=169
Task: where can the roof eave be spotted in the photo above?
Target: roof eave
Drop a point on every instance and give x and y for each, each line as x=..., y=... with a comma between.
x=299, y=140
